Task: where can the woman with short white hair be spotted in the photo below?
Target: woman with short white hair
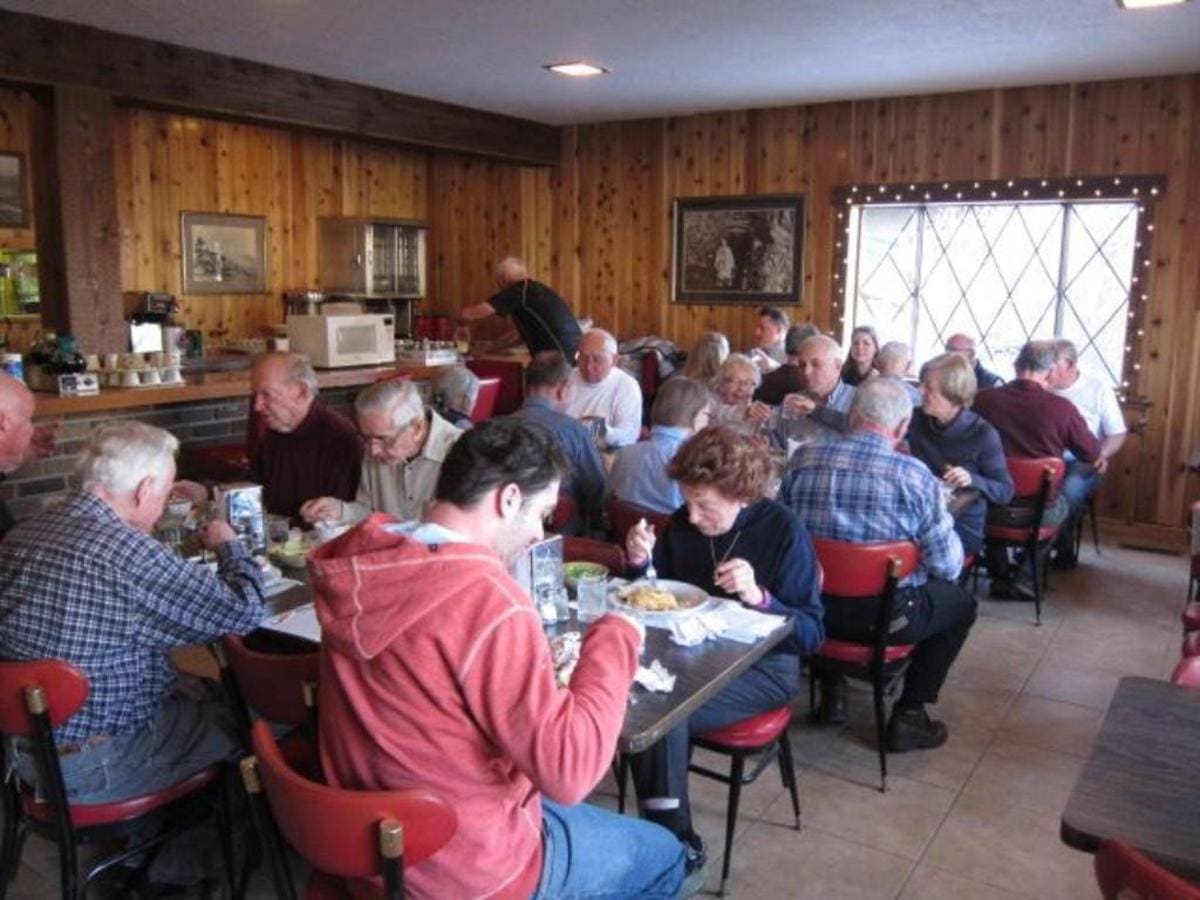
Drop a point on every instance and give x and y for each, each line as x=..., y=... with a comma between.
x=735, y=384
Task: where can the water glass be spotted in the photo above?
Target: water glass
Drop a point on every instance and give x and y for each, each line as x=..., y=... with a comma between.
x=462, y=339
x=592, y=594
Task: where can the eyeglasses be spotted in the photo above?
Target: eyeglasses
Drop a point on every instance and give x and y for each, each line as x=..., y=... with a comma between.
x=384, y=441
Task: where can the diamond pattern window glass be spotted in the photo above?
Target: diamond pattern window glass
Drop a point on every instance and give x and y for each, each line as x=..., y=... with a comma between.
x=1004, y=273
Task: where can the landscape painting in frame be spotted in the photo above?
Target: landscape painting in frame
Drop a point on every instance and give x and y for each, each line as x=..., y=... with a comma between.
x=224, y=254
x=12, y=190
x=739, y=250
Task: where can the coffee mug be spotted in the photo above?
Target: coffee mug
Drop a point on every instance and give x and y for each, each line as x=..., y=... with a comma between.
x=111, y=360
x=150, y=376
x=158, y=359
x=171, y=375
x=129, y=378
x=93, y=362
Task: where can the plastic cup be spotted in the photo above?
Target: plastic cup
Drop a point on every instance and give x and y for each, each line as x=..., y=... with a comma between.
x=592, y=596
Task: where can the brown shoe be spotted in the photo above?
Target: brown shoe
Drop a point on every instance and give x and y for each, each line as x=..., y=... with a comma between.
x=912, y=729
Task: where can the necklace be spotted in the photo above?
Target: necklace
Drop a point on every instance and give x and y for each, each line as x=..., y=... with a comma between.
x=712, y=549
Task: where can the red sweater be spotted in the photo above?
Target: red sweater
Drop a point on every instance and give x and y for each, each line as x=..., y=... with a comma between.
x=435, y=672
x=1034, y=423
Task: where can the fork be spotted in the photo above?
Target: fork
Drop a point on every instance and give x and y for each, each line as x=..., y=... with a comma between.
x=651, y=574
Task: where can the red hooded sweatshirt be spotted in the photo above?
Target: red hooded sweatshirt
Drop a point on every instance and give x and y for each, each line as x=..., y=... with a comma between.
x=435, y=672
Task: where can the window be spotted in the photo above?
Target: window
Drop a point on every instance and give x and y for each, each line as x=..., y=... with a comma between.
x=1003, y=269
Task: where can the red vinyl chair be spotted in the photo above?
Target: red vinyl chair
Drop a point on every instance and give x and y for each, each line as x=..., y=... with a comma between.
x=345, y=835
x=579, y=549
x=622, y=516
x=512, y=382
x=868, y=573
x=485, y=400
x=765, y=736
x=35, y=698
x=1187, y=672
x=565, y=513
x=1191, y=617
x=1039, y=481
x=1191, y=644
x=1125, y=874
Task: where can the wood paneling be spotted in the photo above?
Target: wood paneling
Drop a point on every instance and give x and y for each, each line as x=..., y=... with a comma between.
x=47, y=51
x=167, y=163
x=611, y=211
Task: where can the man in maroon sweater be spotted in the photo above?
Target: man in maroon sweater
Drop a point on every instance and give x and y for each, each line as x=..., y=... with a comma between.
x=307, y=450
x=1033, y=422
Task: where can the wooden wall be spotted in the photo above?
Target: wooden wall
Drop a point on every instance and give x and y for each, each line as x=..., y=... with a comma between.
x=17, y=110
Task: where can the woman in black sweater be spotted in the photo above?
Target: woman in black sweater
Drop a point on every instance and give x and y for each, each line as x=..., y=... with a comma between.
x=731, y=541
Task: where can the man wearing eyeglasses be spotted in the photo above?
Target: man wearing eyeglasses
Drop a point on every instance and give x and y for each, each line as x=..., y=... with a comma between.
x=406, y=443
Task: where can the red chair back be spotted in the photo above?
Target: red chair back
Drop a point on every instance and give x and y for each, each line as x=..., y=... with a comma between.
x=1027, y=475
x=335, y=830
x=1187, y=672
x=65, y=688
x=565, y=512
x=1191, y=644
x=1122, y=872
x=861, y=570
x=273, y=684
x=578, y=549
x=622, y=516
x=512, y=382
x=485, y=400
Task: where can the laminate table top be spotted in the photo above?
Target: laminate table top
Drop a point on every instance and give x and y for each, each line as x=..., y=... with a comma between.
x=1141, y=781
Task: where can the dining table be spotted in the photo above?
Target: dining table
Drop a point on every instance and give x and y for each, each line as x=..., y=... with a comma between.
x=700, y=671
x=1141, y=781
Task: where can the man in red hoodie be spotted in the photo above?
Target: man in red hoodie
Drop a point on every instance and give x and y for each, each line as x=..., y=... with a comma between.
x=435, y=672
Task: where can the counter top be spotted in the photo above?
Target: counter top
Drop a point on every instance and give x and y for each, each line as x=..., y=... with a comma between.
x=206, y=386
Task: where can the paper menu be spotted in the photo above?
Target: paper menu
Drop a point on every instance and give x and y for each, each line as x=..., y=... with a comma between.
x=299, y=622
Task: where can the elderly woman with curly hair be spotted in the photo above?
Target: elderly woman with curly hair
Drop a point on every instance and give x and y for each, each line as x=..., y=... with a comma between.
x=733, y=542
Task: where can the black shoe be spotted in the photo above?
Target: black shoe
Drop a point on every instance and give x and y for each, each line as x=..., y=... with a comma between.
x=1065, y=561
x=1011, y=590
x=694, y=866
x=833, y=708
x=912, y=729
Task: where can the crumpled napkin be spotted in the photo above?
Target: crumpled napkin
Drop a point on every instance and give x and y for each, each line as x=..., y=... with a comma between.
x=655, y=677
x=729, y=620
x=564, y=650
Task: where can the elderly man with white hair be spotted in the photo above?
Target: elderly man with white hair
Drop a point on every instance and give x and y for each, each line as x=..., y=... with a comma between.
x=859, y=489
x=308, y=449
x=84, y=582
x=541, y=317
x=601, y=390
x=16, y=433
x=894, y=360
x=407, y=443
x=819, y=409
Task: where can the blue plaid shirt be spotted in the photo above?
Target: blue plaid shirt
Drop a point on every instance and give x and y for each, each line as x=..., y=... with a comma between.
x=859, y=489
x=78, y=584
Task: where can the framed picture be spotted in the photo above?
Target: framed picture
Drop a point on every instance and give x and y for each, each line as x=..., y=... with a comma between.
x=223, y=254
x=14, y=209
x=739, y=250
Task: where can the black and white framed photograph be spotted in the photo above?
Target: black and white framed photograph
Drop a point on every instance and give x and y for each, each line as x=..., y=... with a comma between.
x=223, y=254
x=739, y=249
x=14, y=208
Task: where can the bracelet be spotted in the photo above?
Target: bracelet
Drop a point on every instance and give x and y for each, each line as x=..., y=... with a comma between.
x=765, y=602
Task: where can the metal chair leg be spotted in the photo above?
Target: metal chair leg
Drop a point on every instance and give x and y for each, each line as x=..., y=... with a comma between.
x=788, y=768
x=880, y=729
x=621, y=770
x=736, y=772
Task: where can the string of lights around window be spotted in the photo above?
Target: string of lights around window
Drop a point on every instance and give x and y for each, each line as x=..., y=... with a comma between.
x=1145, y=190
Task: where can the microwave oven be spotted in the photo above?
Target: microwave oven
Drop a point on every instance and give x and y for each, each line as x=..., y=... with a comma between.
x=334, y=341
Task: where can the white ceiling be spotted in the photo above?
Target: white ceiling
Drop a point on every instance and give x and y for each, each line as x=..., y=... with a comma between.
x=667, y=56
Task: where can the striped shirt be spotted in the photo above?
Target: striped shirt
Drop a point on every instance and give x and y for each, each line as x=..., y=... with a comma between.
x=859, y=489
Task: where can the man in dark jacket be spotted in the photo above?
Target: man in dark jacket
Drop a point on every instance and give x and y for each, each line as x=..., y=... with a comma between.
x=964, y=346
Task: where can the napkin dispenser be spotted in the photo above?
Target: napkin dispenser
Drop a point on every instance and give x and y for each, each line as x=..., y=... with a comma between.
x=241, y=505
x=541, y=565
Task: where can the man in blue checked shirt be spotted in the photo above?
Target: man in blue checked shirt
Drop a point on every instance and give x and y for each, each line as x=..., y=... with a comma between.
x=84, y=582
x=860, y=489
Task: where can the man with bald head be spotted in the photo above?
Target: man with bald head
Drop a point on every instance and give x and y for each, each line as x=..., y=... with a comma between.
x=541, y=317
x=820, y=409
x=964, y=346
x=307, y=450
x=16, y=433
x=600, y=389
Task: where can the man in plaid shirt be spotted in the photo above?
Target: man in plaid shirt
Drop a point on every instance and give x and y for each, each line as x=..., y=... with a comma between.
x=860, y=489
x=85, y=582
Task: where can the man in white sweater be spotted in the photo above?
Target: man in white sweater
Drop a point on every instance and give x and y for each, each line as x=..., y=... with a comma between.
x=602, y=390
x=406, y=444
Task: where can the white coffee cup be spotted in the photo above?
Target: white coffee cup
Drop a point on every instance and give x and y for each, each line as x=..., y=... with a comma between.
x=111, y=360
x=129, y=378
x=171, y=375
x=158, y=359
x=151, y=376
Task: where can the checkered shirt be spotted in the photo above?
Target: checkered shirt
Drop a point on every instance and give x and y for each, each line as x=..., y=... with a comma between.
x=859, y=489
x=78, y=584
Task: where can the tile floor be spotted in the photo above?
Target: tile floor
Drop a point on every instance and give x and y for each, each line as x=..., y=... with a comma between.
x=977, y=818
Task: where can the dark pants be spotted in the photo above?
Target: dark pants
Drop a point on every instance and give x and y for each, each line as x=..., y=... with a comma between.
x=937, y=616
x=660, y=772
x=1020, y=516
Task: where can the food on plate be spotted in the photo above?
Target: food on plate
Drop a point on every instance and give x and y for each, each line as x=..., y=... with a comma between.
x=652, y=599
x=294, y=550
x=573, y=571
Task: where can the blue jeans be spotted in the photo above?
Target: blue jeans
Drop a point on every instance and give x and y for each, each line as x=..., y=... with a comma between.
x=590, y=852
x=1080, y=483
x=660, y=772
x=192, y=730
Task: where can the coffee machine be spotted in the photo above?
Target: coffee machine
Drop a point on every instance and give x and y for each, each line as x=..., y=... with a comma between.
x=151, y=328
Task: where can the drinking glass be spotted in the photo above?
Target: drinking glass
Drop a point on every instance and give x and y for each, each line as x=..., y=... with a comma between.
x=462, y=339
x=592, y=594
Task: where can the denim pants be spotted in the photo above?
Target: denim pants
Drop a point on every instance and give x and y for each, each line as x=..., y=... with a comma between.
x=660, y=772
x=192, y=730
x=1079, y=484
x=593, y=853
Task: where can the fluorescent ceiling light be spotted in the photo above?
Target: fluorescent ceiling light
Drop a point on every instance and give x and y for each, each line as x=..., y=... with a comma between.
x=575, y=69
x=1146, y=4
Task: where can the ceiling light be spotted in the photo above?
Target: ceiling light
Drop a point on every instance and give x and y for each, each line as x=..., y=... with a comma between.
x=575, y=69
x=1146, y=4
